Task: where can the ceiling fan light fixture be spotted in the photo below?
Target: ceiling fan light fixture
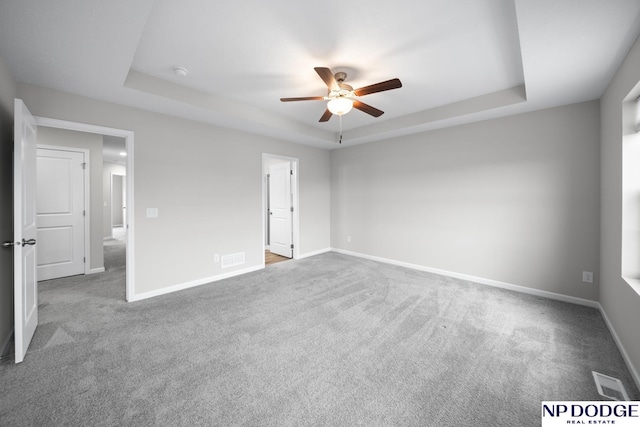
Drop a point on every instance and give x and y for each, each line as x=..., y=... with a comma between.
x=340, y=106
x=342, y=97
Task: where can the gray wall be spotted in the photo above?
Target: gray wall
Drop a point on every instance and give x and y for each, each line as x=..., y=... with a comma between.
x=205, y=181
x=620, y=301
x=7, y=94
x=117, y=200
x=513, y=200
x=108, y=169
x=92, y=142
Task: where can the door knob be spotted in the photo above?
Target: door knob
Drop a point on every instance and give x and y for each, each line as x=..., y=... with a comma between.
x=8, y=244
x=28, y=242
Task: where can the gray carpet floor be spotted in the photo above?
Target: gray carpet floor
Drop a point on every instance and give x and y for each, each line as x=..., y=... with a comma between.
x=330, y=340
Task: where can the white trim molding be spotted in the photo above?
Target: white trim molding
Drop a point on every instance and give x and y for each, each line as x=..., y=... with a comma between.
x=475, y=279
x=310, y=254
x=523, y=289
x=627, y=360
x=193, y=283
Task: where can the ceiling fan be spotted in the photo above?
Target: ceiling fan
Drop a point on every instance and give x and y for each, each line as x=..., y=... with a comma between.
x=343, y=97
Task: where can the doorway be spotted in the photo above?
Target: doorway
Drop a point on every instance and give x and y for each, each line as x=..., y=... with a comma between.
x=118, y=203
x=280, y=208
x=114, y=178
x=25, y=227
x=126, y=139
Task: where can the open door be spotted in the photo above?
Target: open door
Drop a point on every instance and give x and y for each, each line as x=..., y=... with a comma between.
x=280, y=210
x=24, y=228
x=60, y=210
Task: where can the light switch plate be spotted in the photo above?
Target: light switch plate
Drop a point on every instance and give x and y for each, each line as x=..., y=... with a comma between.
x=152, y=212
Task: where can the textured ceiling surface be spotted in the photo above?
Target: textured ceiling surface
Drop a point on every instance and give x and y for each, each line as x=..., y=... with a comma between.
x=459, y=60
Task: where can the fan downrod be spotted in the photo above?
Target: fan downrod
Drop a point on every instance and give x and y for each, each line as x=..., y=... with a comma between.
x=340, y=77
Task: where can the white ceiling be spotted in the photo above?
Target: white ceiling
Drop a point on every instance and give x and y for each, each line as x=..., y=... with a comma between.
x=459, y=60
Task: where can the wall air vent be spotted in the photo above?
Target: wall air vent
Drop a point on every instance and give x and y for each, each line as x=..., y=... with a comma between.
x=232, y=260
x=610, y=387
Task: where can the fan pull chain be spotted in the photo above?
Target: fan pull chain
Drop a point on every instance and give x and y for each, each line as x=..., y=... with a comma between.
x=340, y=140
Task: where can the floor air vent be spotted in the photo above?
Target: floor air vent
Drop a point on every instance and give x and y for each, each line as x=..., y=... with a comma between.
x=610, y=387
x=232, y=260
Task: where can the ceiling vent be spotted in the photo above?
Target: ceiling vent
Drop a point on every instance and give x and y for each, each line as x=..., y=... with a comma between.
x=180, y=71
x=610, y=387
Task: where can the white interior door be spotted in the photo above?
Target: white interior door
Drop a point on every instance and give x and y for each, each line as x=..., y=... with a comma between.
x=24, y=199
x=60, y=213
x=280, y=213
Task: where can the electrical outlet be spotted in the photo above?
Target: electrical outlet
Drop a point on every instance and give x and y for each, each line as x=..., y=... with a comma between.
x=587, y=277
x=152, y=212
x=348, y=239
x=216, y=258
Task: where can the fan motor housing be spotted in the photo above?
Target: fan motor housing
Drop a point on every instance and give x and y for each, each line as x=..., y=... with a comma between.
x=345, y=91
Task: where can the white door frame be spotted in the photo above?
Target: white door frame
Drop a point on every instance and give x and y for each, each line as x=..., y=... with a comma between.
x=87, y=198
x=296, y=211
x=129, y=137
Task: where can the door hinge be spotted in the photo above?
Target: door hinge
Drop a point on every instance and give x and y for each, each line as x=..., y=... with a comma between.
x=291, y=172
x=292, y=246
x=84, y=213
x=84, y=259
x=291, y=208
x=84, y=165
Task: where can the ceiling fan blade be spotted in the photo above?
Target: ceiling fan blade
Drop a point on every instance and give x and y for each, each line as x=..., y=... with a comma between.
x=367, y=108
x=326, y=116
x=305, y=98
x=378, y=87
x=327, y=76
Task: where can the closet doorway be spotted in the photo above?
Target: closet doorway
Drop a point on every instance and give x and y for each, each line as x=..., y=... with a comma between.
x=280, y=208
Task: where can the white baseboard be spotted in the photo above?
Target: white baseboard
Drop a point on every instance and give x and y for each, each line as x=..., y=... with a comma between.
x=4, y=348
x=308, y=254
x=193, y=283
x=623, y=351
x=204, y=281
x=96, y=270
x=475, y=279
x=516, y=288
